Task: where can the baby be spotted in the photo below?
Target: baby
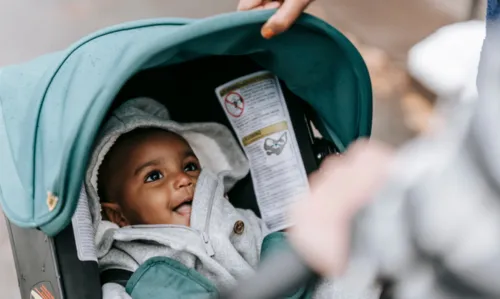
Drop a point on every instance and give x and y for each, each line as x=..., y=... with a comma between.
x=157, y=194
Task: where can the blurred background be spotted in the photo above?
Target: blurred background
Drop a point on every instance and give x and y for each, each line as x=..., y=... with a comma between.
x=385, y=32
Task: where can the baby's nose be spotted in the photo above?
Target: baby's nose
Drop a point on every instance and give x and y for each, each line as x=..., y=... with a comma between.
x=183, y=180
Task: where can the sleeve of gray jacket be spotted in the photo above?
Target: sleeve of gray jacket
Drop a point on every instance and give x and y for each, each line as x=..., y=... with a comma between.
x=435, y=234
x=114, y=291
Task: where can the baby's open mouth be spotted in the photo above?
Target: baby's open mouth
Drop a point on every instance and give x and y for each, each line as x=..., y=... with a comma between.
x=185, y=207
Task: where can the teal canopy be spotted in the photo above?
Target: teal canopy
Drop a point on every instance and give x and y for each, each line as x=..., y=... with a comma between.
x=51, y=108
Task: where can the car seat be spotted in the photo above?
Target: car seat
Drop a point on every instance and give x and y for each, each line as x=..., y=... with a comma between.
x=51, y=259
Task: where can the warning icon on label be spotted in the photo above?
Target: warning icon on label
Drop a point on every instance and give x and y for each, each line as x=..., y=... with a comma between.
x=234, y=104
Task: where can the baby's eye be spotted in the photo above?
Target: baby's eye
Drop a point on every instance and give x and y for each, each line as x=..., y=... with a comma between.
x=191, y=167
x=153, y=176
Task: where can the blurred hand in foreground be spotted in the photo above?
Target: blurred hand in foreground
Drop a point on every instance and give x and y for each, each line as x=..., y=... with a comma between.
x=338, y=190
x=288, y=12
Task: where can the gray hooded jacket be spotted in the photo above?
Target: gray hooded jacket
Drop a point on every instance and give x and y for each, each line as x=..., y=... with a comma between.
x=210, y=245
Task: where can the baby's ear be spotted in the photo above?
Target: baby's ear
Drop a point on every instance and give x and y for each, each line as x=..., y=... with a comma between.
x=112, y=212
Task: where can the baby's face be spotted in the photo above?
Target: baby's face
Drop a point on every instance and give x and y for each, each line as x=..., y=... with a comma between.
x=150, y=177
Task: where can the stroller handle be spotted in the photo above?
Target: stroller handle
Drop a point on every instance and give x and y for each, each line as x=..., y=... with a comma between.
x=276, y=278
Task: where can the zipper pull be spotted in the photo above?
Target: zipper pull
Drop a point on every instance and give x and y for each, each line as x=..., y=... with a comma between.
x=208, y=246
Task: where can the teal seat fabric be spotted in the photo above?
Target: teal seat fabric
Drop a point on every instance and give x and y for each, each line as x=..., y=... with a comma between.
x=51, y=108
x=162, y=277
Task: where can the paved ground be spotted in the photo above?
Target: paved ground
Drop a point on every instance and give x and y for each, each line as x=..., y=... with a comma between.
x=30, y=28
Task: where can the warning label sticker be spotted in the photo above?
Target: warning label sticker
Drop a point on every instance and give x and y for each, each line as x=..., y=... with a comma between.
x=256, y=108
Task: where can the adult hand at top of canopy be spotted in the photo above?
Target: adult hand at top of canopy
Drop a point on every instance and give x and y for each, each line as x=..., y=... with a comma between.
x=288, y=11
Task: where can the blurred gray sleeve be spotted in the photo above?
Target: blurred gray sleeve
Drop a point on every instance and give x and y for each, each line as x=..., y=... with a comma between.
x=435, y=228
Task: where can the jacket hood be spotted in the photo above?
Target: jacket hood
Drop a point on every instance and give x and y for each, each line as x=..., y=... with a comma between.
x=213, y=144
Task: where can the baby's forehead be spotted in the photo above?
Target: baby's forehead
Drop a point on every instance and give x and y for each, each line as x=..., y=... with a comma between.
x=144, y=138
x=150, y=135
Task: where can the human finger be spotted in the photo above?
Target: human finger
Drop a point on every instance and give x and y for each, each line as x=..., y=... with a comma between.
x=249, y=4
x=283, y=19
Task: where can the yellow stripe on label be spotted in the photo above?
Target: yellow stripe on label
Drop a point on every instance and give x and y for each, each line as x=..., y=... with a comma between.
x=264, y=132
